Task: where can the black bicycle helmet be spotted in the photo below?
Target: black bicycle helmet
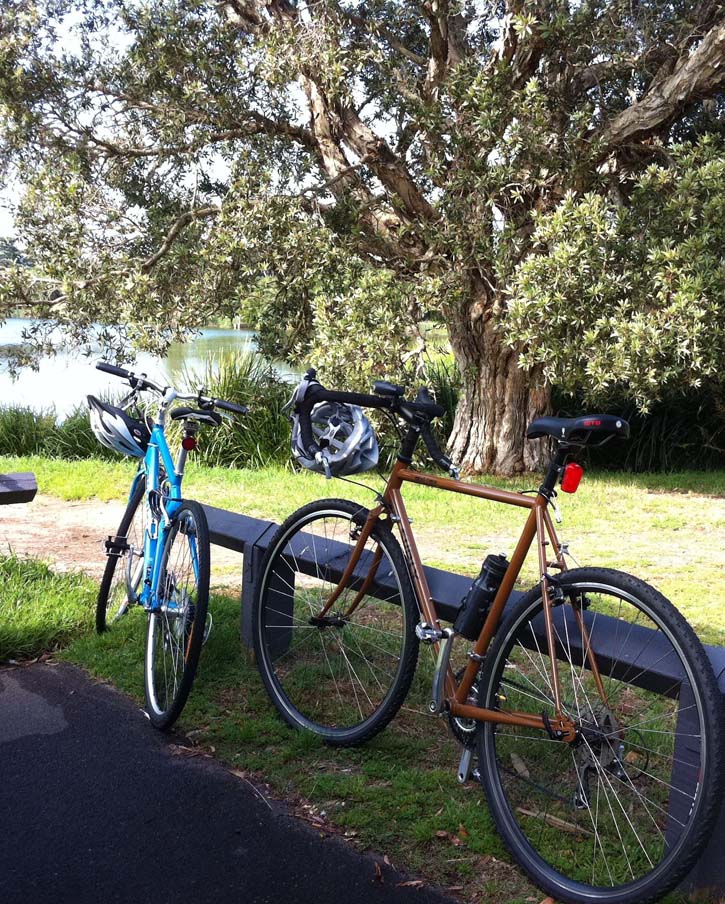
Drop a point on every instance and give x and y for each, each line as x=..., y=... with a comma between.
x=117, y=430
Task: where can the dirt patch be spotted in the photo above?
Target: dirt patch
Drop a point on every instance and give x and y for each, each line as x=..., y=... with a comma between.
x=69, y=536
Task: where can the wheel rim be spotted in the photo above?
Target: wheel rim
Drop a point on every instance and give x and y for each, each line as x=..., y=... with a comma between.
x=331, y=676
x=173, y=626
x=609, y=811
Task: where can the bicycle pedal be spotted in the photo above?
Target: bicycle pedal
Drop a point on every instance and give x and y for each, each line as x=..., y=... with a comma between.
x=116, y=546
x=428, y=634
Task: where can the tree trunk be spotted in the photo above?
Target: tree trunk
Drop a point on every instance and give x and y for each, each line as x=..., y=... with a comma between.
x=498, y=400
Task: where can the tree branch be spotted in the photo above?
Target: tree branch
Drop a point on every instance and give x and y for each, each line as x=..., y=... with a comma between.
x=256, y=123
x=380, y=31
x=183, y=221
x=387, y=166
x=696, y=75
x=437, y=12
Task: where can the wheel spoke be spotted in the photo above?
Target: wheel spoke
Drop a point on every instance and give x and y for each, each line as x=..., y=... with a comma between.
x=340, y=683
x=635, y=766
x=178, y=625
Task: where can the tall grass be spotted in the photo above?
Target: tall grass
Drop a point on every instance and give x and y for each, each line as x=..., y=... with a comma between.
x=259, y=438
x=24, y=431
x=27, y=432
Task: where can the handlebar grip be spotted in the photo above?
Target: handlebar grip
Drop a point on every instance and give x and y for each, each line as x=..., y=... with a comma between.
x=112, y=369
x=434, y=450
x=304, y=409
x=230, y=406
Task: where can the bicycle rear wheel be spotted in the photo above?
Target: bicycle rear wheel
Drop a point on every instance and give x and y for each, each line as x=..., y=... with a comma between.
x=124, y=567
x=621, y=814
x=343, y=675
x=176, y=625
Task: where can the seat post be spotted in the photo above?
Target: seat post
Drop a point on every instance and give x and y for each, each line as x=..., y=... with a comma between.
x=556, y=466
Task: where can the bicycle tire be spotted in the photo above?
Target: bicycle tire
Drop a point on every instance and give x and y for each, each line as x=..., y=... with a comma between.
x=621, y=816
x=331, y=678
x=176, y=623
x=118, y=585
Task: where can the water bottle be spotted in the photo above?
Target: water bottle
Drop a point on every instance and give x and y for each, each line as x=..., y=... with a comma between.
x=477, y=602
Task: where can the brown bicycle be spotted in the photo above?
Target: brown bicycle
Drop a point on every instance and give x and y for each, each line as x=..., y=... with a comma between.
x=589, y=701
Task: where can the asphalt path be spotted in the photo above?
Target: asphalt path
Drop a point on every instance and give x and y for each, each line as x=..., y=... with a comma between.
x=95, y=808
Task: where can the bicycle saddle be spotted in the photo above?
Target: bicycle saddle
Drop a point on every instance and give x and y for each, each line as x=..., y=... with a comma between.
x=204, y=417
x=588, y=428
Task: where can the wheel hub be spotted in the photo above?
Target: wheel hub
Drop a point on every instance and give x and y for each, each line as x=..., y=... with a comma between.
x=328, y=621
x=598, y=747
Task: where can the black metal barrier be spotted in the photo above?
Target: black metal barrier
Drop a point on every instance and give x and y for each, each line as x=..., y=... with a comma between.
x=644, y=666
x=16, y=488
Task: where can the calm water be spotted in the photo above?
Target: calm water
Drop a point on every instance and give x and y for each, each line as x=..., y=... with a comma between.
x=64, y=381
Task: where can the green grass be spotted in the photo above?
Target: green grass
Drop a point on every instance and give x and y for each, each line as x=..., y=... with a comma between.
x=666, y=529
x=40, y=610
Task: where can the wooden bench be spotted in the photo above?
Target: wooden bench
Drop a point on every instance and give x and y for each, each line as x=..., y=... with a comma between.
x=251, y=536
x=15, y=488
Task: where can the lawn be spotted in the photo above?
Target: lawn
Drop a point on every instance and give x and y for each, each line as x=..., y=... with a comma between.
x=398, y=794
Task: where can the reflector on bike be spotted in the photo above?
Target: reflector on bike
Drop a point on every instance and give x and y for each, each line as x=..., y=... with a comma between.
x=572, y=477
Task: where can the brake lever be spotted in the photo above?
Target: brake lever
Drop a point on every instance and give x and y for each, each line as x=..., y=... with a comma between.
x=206, y=404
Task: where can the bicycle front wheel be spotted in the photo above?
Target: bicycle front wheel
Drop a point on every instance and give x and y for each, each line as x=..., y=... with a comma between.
x=177, y=622
x=621, y=814
x=124, y=567
x=342, y=674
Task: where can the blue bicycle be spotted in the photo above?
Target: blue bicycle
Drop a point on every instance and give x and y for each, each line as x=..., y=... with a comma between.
x=159, y=557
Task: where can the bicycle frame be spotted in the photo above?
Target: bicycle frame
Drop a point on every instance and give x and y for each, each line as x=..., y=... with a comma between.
x=538, y=527
x=164, y=507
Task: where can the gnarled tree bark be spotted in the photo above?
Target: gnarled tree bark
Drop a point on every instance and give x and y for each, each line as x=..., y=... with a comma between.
x=498, y=399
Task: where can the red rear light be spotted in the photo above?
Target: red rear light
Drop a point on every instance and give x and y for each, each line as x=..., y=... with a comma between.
x=188, y=443
x=572, y=476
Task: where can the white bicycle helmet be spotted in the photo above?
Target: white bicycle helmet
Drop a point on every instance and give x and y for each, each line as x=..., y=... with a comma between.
x=117, y=430
x=345, y=436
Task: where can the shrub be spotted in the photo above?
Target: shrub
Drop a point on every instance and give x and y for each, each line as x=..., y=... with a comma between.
x=262, y=436
x=24, y=431
x=73, y=439
x=684, y=431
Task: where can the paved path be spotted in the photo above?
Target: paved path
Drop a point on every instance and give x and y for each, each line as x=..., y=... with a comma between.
x=95, y=809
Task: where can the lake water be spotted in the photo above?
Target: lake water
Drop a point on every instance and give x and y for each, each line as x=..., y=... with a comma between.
x=62, y=382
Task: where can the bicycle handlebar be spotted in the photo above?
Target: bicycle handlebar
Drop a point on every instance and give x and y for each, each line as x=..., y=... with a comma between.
x=112, y=369
x=435, y=451
x=229, y=406
x=142, y=382
x=136, y=382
